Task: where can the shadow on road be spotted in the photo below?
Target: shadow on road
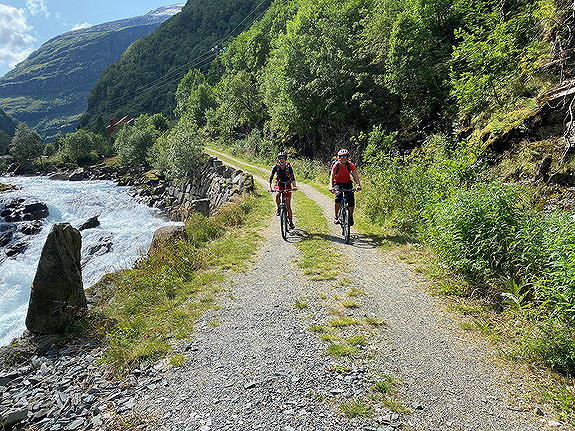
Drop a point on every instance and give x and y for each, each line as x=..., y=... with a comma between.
x=357, y=240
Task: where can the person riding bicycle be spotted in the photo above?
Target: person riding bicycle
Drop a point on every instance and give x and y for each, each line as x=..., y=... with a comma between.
x=340, y=177
x=284, y=180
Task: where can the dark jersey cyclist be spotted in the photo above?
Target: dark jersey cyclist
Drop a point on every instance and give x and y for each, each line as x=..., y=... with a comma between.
x=284, y=180
x=340, y=177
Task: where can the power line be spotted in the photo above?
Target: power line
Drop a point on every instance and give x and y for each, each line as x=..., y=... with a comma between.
x=198, y=62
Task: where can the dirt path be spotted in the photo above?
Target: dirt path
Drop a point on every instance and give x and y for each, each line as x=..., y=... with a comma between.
x=254, y=364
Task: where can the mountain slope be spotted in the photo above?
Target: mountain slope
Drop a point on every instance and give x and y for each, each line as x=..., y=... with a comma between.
x=50, y=88
x=146, y=77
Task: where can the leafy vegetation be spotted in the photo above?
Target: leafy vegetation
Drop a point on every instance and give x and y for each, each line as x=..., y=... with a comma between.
x=158, y=301
x=146, y=78
x=26, y=143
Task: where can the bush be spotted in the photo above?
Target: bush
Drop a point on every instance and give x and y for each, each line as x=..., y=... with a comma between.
x=177, y=153
x=486, y=234
x=399, y=190
x=133, y=142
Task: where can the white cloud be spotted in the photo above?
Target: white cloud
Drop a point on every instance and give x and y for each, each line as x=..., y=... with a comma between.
x=37, y=7
x=80, y=26
x=15, y=38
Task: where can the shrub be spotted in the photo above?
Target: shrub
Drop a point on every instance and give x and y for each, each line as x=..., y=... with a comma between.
x=178, y=152
x=26, y=143
x=486, y=234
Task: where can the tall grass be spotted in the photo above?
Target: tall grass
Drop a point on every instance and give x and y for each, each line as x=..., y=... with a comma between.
x=487, y=232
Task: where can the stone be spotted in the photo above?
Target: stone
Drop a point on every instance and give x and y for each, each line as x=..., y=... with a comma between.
x=167, y=234
x=12, y=417
x=91, y=223
x=57, y=296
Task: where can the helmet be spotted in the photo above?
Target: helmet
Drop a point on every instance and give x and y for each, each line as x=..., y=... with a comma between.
x=343, y=152
x=282, y=154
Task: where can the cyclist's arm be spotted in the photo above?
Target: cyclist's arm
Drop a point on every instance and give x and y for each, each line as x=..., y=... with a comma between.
x=271, y=178
x=356, y=179
x=331, y=175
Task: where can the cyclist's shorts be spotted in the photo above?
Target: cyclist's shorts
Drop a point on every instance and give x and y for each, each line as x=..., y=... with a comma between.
x=288, y=187
x=349, y=196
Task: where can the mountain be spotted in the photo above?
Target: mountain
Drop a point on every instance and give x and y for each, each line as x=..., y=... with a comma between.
x=7, y=123
x=49, y=89
x=145, y=79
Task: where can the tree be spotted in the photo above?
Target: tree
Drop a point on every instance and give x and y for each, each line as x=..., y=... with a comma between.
x=133, y=142
x=84, y=147
x=194, y=97
x=4, y=142
x=26, y=143
x=178, y=152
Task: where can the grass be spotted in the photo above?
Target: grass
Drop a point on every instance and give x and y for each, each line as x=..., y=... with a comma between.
x=343, y=322
x=148, y=308
x=319, y=259
x=339, y=350
x=355, y=407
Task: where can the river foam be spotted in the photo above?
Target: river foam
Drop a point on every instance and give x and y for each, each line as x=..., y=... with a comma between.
x=128, y=223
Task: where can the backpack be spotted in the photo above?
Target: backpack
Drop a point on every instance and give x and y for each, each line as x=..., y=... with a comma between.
x=335, y=161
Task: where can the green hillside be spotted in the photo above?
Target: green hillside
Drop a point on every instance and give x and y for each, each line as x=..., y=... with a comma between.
x=144, y=80
x=49, y=90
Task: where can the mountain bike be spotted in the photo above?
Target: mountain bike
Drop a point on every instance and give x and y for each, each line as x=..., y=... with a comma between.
x=284, y=221
x=344, y=217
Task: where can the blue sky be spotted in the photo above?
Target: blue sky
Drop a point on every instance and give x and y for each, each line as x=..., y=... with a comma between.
x=27, y=24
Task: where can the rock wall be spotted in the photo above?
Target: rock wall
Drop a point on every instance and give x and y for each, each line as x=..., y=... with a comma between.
x=213, y=185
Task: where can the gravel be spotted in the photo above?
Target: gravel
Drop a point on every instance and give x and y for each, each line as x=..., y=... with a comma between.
x=253, y=363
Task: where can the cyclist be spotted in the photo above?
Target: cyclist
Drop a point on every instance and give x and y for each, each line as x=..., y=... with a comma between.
x=340, y=177
x=285, y=180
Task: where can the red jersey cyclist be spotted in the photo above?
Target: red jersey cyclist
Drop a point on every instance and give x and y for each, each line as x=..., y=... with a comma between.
x=285, y=180
x=340, y=177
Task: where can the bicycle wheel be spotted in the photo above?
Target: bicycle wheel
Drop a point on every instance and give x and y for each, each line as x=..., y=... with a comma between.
x=345, y=225
x=284, y=224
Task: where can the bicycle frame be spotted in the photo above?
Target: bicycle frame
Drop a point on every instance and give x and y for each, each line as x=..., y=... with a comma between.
x=344, y=216
x=284, y=222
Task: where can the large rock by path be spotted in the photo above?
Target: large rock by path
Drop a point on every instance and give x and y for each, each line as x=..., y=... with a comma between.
x=57, y=295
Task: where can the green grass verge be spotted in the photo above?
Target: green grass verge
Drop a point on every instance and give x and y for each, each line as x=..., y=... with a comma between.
x=148, y=308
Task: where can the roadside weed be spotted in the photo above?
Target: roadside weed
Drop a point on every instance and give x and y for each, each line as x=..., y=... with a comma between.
x=356, y=407
x=177, y=360
x=343, y=322
x=301, y=303
x=339, y=350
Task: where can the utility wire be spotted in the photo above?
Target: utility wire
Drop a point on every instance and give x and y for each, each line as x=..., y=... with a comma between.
x=198, y=62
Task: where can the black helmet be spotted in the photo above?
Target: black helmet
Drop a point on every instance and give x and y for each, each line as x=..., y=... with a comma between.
x=282, y=154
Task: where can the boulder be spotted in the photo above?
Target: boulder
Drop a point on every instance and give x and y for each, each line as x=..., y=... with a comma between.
x=91, y=223
x=167, y=234
x=57, y=296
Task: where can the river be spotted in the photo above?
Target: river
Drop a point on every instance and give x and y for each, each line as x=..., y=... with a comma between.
x=129, y=224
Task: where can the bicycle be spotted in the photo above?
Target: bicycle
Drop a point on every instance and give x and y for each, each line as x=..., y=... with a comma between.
x=284, y=221
x=344, y=217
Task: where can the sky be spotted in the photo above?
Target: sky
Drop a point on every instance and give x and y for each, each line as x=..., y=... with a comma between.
x=27, y=24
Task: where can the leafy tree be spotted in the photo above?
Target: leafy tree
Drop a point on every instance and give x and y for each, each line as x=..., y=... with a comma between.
x=178, y=152
x=82, y=147
x=240, y=106
x=314, y=82
x=26, y=143
x=133, y=142
x=194, y=97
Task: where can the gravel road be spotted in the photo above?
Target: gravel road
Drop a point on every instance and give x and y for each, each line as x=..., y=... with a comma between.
x=254, y=364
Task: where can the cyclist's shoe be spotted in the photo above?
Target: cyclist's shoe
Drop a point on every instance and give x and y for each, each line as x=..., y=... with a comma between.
x=351, y=221
x=278, y=212
x=335, y=220
x=291, y=225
